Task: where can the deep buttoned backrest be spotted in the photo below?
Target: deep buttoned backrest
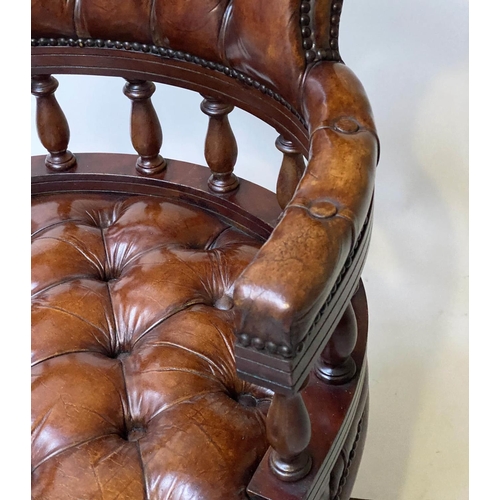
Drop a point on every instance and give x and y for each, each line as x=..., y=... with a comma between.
x=270, y=41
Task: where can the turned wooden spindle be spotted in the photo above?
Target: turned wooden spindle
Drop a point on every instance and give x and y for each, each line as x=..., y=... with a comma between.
x=51, y=124
x=289, y=432
x=145, y=128
x=292, y=168
x=221, y=149
x=335, y=365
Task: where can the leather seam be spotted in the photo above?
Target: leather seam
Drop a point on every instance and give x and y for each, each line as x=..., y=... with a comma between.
x=221, y=39
x=210, y=244
x=143, y=469
x=153, y=25
x=80, y=29
x=125, y=404
x=361, y=129
x=107, y=267
x=50, y=226
x=62, y=282
x=76, y=351
x=73, y=445
x=165, y=318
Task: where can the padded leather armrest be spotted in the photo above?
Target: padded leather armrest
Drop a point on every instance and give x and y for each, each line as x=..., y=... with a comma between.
x=280, y=292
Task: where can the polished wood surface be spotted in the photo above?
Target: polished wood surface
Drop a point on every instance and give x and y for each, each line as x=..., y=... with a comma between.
x=335, y=365
x=233, y=88
x=221, y=150
x=51, y=124
x=291, y=171
x=145, y=128
x=250, y=206
x=289, y=433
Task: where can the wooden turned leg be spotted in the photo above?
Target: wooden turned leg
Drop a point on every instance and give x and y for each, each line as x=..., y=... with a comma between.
x=51, y=124
x=289, y=433
x=221, y=150
x=336, y=365
x=145, y=127
x=292, y=168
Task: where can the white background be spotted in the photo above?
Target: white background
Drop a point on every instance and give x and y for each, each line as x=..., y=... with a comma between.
x=412, y=58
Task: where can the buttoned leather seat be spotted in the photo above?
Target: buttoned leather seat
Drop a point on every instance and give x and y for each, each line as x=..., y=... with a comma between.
x=134, y=382
x=195, y=336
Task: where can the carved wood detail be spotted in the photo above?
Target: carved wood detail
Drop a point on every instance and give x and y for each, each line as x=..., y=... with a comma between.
x=168, y=53
x=336, y=495
x=221, y=150
x=145, y=128
x=51, y=124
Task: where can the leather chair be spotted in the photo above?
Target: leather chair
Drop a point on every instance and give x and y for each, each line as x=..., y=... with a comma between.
x=195, y=336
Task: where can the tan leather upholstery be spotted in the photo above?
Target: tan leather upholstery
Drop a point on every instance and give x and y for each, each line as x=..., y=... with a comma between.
x=135, y=393
x=221, y=31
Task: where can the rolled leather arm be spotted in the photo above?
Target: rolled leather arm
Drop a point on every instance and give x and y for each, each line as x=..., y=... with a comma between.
x=280, y=292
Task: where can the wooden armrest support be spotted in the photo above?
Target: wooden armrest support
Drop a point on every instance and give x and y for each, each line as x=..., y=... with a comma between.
x=323, y=230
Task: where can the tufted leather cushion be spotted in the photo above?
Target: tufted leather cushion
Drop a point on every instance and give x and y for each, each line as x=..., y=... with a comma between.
x=259, y=37
x=135, y=393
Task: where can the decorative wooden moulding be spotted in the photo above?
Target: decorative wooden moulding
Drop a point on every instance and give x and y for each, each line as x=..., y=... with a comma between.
x=51, y=124
x=168, y=53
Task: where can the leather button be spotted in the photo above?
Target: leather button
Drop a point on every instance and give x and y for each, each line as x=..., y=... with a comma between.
x=346, y=125
x=247, y=400
x=322, y=209
x=224, y=303
x=136, y=433
x=111, y=274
